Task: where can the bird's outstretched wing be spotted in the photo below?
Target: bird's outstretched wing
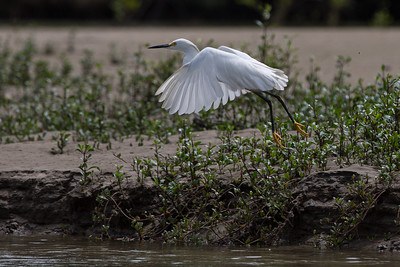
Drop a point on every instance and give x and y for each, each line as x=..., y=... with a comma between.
x=193, y=87
x=215, y=76
x=276, y=74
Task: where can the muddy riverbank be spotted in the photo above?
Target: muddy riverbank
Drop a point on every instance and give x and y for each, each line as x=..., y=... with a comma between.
x=41, y=193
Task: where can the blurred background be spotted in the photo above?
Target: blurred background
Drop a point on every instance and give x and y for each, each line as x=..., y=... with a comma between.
x=314, y=32
x=204, y=12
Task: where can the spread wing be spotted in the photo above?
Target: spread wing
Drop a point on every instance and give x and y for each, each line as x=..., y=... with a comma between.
x=215, y=76
x=193, y=87
x=270, y=73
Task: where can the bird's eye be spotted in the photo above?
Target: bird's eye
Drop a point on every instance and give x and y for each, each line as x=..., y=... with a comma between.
x=172, y=44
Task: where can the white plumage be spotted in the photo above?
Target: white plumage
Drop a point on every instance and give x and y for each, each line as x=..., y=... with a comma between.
x=212, y=77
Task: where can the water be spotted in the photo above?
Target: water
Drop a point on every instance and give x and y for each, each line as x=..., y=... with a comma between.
x=58, y=251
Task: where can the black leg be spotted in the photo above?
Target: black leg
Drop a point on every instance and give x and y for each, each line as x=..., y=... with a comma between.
x=283, y=104
x=275, y=135
x=266, y=99
x=299, y=127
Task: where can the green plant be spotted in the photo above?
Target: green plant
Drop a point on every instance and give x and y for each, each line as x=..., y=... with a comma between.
x=62, y=140
x=87, y=171
x=352, y=210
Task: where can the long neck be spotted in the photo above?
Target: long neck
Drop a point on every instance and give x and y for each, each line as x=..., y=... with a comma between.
x=189, y=53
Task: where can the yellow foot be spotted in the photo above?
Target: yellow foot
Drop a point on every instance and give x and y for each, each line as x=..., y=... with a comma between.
x=277, y=139
x=300, y=129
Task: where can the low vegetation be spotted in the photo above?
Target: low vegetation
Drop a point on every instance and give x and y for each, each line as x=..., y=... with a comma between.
x=239, y=191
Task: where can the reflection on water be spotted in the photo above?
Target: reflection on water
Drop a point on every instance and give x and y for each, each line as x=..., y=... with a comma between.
x=57, y=251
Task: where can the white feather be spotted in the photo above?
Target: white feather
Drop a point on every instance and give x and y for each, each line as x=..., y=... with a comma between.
x=214, y=76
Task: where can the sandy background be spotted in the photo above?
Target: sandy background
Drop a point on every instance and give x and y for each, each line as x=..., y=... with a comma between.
x=369, y=48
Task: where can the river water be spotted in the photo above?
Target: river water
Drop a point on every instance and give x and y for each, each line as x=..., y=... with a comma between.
x=58, y=251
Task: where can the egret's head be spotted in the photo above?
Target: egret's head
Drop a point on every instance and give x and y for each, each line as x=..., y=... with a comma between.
x=179, y=45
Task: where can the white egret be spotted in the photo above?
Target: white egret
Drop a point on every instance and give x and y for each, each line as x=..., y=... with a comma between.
x=211, y=77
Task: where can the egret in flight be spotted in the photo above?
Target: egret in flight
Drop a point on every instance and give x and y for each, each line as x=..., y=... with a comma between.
x=211, y=77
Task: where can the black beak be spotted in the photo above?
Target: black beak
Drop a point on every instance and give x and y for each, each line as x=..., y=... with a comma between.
x=159, y=46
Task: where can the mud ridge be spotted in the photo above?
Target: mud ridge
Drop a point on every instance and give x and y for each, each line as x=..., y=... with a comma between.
x=55, y=202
